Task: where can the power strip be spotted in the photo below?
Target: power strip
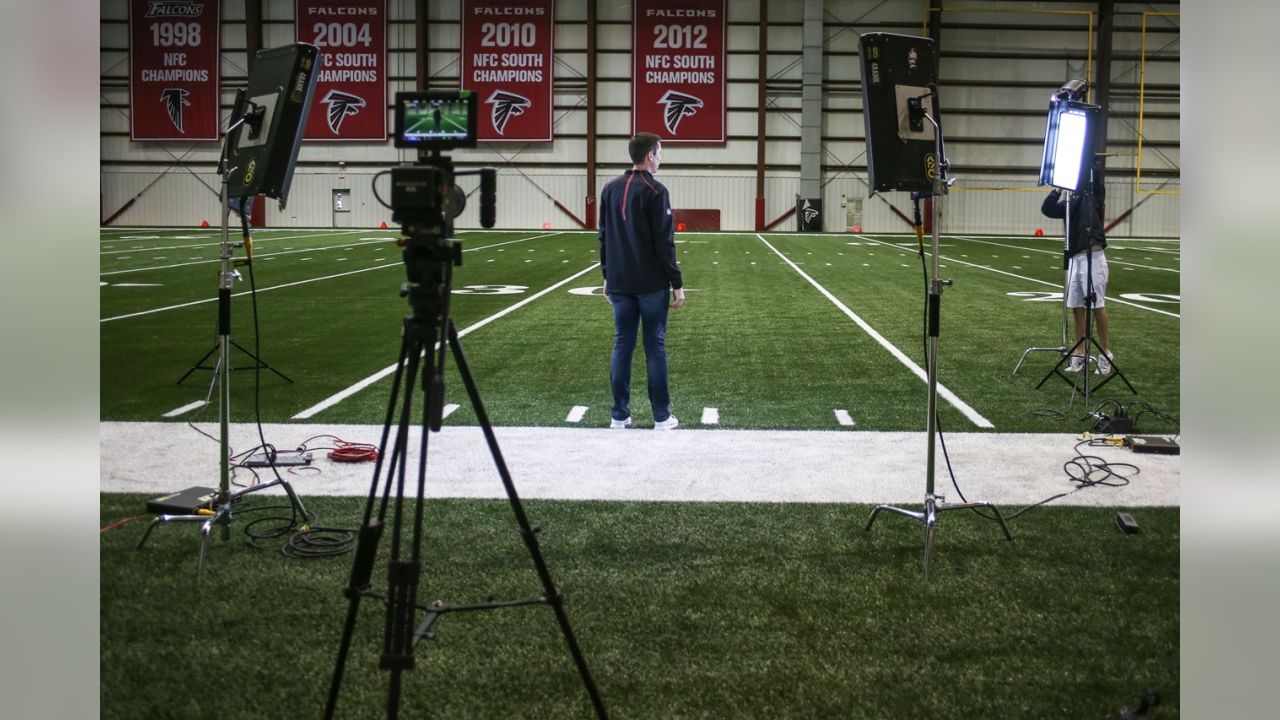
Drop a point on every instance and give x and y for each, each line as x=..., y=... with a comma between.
x=282, y=459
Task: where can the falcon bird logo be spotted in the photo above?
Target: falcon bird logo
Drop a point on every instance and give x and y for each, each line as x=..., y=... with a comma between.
x=810, y=212
x=506, y=105
x=174, y=99
x=678, y=105
x=340, y=106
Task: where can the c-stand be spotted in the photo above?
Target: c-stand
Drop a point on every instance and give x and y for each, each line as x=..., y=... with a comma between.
x=1081, y=348
x=934, y=504
x=423, y=201
x=220, y=511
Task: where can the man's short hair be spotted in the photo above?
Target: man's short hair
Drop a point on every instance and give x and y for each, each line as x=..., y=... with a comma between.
x=641, y=145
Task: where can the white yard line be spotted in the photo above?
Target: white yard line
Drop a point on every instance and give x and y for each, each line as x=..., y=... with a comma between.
x=576, y=414
x=1034, y=280
x=235, y=237
x=185, y=408
x=448, y=410
x=1058, y=253
x=710, y=416
x=300, y=282
x=362, y=384
x=259, y=255
x=842, y=417
x=262, y=255
x=246, y=292
x=901, y=357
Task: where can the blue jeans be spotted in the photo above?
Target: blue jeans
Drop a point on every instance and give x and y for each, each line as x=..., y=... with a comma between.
x=629, y=312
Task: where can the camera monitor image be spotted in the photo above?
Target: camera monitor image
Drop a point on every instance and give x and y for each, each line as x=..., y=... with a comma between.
x=436, y=119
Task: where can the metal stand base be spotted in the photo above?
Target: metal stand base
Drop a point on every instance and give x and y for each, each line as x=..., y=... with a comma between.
x=1061, y=350
x=932, y=506
x=257, y=363
x=221, y=514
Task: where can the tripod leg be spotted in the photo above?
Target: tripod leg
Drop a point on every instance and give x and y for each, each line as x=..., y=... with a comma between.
x=370, y=530
x=554, y=596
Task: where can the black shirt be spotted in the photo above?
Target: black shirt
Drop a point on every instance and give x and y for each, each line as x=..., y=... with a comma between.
x=637, y=235
x=1086, y=229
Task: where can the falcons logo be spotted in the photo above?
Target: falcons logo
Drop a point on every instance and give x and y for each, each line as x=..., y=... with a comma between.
x=174, y=99
x=678, y=105
x=810, y=212
x=506, y=105
x=340, y=106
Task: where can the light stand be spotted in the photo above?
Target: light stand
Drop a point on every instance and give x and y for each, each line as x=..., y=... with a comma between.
x=221, y=511
x=933, y=503
x=1061, y=350
x=1082, y=346
x=1068, y=165
x=259, y=152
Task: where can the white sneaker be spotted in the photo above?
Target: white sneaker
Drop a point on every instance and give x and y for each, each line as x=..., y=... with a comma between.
x=671, y=423
x=1104, y=363
x=620, y=424
x=1076, y=364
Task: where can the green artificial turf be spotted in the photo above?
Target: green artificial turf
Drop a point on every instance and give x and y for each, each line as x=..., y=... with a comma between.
x=701, y=610
x=756, y=339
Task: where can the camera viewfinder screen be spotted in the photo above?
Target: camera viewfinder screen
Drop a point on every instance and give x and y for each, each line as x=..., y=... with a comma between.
x=435, y=120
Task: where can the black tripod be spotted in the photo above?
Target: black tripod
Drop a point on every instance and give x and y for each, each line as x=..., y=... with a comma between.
x=429, y=259
x=1083, y=347
x=224, y=311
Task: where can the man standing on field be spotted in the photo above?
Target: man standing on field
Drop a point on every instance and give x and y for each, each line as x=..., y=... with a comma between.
x=638, y=260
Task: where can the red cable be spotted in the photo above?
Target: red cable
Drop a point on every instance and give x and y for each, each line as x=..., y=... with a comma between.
x=354, y=452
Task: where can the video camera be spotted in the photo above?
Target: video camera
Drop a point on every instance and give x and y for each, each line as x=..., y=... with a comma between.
x=424, y=198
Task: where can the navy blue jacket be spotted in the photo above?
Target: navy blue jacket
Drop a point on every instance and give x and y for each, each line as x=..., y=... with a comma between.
x=637, y=235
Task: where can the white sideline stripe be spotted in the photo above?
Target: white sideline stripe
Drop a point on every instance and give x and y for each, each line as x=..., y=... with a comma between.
x=235, y=237
x=576, y=414
x=1043, y=282
x=185, y=408
x=842, y=417
x=384, y=372
x=448, y=410
x=710, y=416
x=299, y=282
x=919, y=372
x=259, y=255
x=247, y=292
x=268, y=256
x=1110, y=260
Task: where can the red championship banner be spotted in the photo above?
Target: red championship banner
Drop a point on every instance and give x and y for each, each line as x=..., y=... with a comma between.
x=173, y=69
x=351, y=85
x=678, y=70
x=506, y=61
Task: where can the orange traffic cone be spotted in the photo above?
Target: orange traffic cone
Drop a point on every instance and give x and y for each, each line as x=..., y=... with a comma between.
x=857, y=228
x=1039, y=232
x=204, y=223
x=383, y=226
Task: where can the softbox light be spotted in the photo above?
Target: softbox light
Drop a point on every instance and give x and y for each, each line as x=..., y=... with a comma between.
x=1068, y=143
x=899, y=78
x=264, y=149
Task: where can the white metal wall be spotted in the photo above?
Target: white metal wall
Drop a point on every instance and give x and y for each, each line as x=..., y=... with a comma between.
x=716, y=177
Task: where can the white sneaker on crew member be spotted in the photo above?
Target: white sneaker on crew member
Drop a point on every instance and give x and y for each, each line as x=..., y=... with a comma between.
x=620, y=424
x=669, y=424
x=1076, y=364
x=1104, y=363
